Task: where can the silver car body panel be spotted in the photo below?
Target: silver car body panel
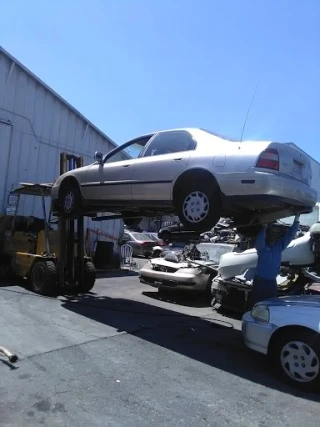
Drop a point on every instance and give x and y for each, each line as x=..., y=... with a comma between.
x=146, y=181
x=234, y=264
x=185, y=275
x=302, y=310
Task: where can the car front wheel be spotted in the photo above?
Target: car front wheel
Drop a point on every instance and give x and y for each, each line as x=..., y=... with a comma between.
x=297, y=356
x=69, y=199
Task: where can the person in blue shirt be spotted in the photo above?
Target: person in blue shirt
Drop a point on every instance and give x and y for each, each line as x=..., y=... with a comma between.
x=269, y=261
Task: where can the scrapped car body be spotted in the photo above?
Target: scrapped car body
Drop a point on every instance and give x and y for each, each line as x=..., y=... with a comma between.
x=198, y=175
x=141, y=244
x=298, y=253
x=287, y=329
x=168, y=272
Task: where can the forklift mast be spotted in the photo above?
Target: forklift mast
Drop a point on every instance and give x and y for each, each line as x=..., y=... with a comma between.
x=71, y=231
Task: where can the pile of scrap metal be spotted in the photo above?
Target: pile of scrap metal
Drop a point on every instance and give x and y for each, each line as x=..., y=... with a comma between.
x=299, y=273
x=190, y=268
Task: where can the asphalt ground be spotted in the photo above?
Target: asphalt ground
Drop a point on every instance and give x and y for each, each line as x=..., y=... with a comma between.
x=123, y=356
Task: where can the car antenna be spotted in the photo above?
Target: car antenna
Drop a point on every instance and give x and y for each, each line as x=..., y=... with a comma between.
x=246, y=119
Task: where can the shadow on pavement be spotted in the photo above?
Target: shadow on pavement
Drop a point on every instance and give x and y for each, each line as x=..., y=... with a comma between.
x=196, y=300
x=116, y=273
x=211, y=341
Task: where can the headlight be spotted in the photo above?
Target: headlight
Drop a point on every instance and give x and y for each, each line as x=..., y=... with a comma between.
x=260, y=313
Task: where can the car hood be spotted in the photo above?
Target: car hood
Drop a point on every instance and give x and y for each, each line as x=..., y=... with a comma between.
x=236, y=263
x=308, y=301
x=178, y=265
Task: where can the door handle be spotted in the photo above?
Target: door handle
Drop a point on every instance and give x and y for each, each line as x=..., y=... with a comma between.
x=177, y=159
x=126, y=166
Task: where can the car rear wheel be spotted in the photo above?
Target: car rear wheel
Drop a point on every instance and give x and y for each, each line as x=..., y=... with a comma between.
x=296, y=354
x=199, y=205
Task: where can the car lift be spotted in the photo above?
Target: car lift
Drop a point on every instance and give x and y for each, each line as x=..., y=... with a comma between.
x=71, y=231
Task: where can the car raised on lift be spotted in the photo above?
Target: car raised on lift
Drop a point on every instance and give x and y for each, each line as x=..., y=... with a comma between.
x=194, y=173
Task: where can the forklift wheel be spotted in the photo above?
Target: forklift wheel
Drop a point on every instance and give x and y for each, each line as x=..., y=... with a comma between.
x=43, y=278
x=89, y=277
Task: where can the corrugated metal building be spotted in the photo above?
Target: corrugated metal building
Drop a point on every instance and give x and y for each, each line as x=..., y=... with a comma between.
x=36, y=125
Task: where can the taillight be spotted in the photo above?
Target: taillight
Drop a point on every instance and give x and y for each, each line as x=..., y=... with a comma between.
x=145, y=243
x=269, y=159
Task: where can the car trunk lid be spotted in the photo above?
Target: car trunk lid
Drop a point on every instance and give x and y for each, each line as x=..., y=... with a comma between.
x=286, y=160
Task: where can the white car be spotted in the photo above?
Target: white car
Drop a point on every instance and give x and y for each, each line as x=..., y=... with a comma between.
x=287, y=329
x=298, y=253
x=194, y=173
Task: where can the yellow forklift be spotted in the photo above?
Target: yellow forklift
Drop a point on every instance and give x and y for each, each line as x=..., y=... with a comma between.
x=31, y=248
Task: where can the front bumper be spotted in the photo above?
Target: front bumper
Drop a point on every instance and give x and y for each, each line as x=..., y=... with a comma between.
x=256, y=335
x=178, y=279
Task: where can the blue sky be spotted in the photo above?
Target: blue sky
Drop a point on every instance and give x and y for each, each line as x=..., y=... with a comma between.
x=134, y=66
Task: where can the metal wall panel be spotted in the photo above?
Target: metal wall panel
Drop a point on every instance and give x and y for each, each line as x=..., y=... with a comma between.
x=41, y=127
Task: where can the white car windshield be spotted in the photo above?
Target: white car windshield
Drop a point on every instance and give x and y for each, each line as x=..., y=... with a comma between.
x=215, y=250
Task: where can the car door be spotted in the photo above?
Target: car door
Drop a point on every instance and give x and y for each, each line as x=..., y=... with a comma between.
x=163, y=159
x=111, y=179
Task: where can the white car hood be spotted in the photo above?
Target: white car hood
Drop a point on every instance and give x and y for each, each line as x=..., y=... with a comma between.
x=236, y=263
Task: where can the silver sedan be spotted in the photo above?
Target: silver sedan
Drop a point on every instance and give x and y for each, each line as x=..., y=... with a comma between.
x=287, y=329
x=194, y=173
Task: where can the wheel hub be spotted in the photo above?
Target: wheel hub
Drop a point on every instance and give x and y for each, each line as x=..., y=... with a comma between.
x=195, y=207
x=299, y=361
x=68, y=202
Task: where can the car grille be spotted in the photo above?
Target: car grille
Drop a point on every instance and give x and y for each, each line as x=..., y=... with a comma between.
x=164, y=269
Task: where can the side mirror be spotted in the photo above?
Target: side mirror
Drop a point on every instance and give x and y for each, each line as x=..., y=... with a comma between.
x=98, y=157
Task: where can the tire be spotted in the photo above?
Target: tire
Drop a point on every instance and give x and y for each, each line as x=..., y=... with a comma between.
x=89, y=277
x=69, y=199
x=304, y=345
x=198, y=204
x=166, y=237
x=44, y=278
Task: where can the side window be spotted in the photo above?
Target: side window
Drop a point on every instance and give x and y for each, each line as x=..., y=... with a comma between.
x=170, y=142
x=130, y=151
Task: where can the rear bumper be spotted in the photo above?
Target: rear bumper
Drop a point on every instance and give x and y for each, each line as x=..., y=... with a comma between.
x=262, y=190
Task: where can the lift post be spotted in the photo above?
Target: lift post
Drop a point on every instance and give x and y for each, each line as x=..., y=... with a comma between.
x=71, y=231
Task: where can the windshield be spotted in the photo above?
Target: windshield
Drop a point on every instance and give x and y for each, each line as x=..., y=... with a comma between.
x=152, y=237
x=214, y=250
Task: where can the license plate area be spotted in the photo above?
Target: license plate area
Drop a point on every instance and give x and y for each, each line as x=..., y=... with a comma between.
x=298, y=171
